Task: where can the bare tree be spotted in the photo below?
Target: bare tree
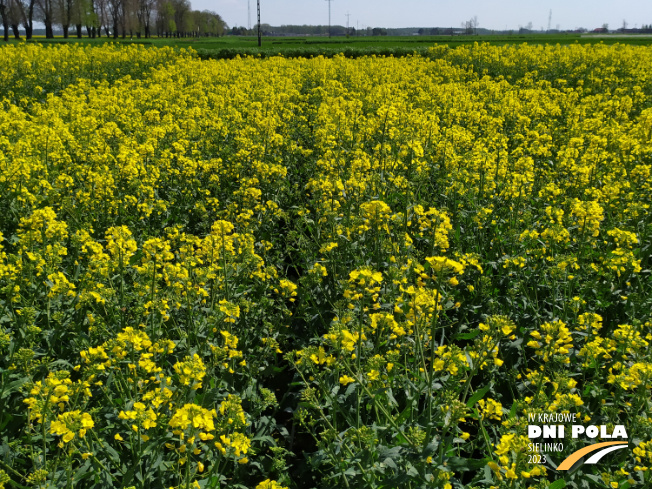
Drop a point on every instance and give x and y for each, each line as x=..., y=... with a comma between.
x=474, y=24
x=26, y=9
x=4, y=13
x=64, y=12
x=144, y=14
x=13, y=10
x=45, y=10
x=115, y=9
x=130, y=18
x=470, y=26
x=103, y=18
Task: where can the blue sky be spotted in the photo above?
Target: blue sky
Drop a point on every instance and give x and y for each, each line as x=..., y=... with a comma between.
x=491, y=14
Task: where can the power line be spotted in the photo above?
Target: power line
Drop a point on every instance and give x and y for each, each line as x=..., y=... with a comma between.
x=329, y=17
x=260, y=40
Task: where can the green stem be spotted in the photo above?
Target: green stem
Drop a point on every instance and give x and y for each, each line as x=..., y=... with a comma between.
x=485, y=435
x=152, y=295
x=94, y=458
x=98, y=462
x=43, y=421
x=10, y=469
x=430, y=375
x=226, y=276
x=539, y=384
x=389, y=417
x=187, y=472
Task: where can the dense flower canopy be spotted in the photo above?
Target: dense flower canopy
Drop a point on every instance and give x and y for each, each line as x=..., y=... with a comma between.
x=213, y=271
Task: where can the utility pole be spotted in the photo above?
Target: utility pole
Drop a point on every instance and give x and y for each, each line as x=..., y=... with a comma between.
x=347, y=23
x=329, y=17
x=260, y=41
x=549, y=19
x=248, y=15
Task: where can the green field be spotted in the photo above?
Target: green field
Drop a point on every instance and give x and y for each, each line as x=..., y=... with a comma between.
x=231, y=46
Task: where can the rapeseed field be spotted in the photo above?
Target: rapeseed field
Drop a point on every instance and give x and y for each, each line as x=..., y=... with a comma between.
x=285, y=273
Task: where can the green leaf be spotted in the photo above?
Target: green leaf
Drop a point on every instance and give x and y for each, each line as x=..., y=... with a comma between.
x=404, y=415
x=393, y=453
x=477, y=395
x=411, y=471
x=351, y=471
x=390, y=463
x=459, y=464
x=512, y=411
x=6, y=421
x=391, y=398
x=467, y=336
x=83, y=472
x=155, y=464
x=113, y=455
x=14, y=386
x=558, y=484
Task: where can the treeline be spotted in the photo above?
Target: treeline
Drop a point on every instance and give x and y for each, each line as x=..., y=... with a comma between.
x=110, y=18
x=301, y=30
x=313, y=30
x=339, y=30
